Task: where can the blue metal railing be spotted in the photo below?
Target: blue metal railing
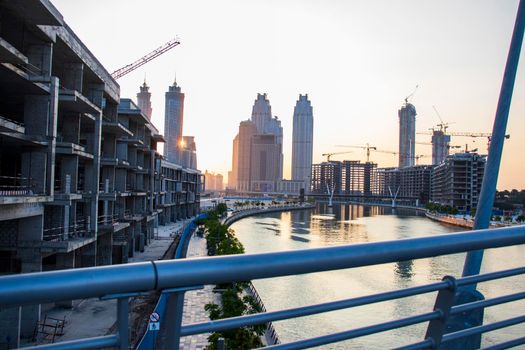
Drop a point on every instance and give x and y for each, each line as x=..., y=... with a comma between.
x=124, y=281
x=150, y=337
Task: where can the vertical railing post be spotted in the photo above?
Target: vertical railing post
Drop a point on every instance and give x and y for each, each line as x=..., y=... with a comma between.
x=169, y=337
x=221, y=344
x=122, y=320
x=490, y=177
x=444, y=301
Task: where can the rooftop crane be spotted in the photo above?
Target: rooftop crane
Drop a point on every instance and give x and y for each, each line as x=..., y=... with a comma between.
x=465, y=134
x=367, y=147
x=145, y=59
x=412, y=94
x=328, y=155
x=442, y=125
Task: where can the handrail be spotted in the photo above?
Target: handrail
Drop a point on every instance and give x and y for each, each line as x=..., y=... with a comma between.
x=123, y=281
x=42, y=287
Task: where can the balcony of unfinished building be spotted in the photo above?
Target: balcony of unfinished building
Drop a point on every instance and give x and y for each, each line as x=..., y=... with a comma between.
x=22, y=178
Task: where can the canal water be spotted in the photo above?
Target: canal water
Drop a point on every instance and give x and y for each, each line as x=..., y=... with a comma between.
x=349, y=224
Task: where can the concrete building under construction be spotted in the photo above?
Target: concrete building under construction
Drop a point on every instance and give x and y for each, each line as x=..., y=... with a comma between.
x=81, y=181
x=407, y=135
x=457, y=181
x=349, y=177
x=440, y=146
x=409, y=182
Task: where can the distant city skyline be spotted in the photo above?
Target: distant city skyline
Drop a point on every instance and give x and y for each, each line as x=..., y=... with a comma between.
x=356, y=62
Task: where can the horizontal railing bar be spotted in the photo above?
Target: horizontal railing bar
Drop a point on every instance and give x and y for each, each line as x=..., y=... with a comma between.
x=225, y=269
x=358, y=332
x=427, y=343
x=490, y=276
x=486, y=303
x=34, y=288
x=482, y=329
x=507, y=345
x=71, y=284
x=260, y=318
x=88, y=343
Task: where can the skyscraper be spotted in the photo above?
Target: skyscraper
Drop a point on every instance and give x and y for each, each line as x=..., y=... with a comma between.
x=264, y=163
x=232, y=175
x=302, y=141
x=247, y=130
x=407, y=135
x=440, y=146
x=265, y=124
x=144, y=100
x=173, y=119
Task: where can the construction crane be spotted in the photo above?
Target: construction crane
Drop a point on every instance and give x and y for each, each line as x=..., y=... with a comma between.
x=411, y=95
x=119, y=73
x=328, y=155
x=367, y=147
x=465, y=134
x=442, y=125
x=430, y=144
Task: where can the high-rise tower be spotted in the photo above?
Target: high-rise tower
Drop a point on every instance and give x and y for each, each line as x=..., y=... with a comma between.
x=144, y=100
x=247, y=130
x=265, y=124
x=302, y=141
x=407, y=135
x=173, y=119
x=440, y=146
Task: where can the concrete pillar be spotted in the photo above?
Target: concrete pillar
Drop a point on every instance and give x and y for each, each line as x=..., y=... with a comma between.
x=52, y=133
x=142, y=241
x=104, y=249
x=139, y=238
x=131, y=240
x=89, y=255
x=65, y=261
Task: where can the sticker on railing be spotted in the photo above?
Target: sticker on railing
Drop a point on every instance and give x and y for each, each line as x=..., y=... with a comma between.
x=154, y=326
x=154, y=317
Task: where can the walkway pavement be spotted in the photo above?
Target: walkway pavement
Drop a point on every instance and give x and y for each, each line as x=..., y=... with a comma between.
x=195, y=300
x=93, y=317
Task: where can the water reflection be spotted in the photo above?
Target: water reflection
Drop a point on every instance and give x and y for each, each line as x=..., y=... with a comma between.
x=349, y=224
x=404, y=269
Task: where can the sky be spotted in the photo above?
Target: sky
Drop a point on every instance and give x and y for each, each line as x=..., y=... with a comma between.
x=356, y=60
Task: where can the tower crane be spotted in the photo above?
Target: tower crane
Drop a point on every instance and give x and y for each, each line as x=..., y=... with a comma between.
x=367, y=147
x=430, y=144
x=442, y=125
x=145, y=59
x=328, y=155
x=465, y=134
x=412, y=94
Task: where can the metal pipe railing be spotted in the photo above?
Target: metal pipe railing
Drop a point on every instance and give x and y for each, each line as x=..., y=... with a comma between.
x=34, y=288
x=123, y=281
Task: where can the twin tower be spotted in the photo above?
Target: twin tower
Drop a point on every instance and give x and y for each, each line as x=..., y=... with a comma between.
x=178, y=149
x=257, y=162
